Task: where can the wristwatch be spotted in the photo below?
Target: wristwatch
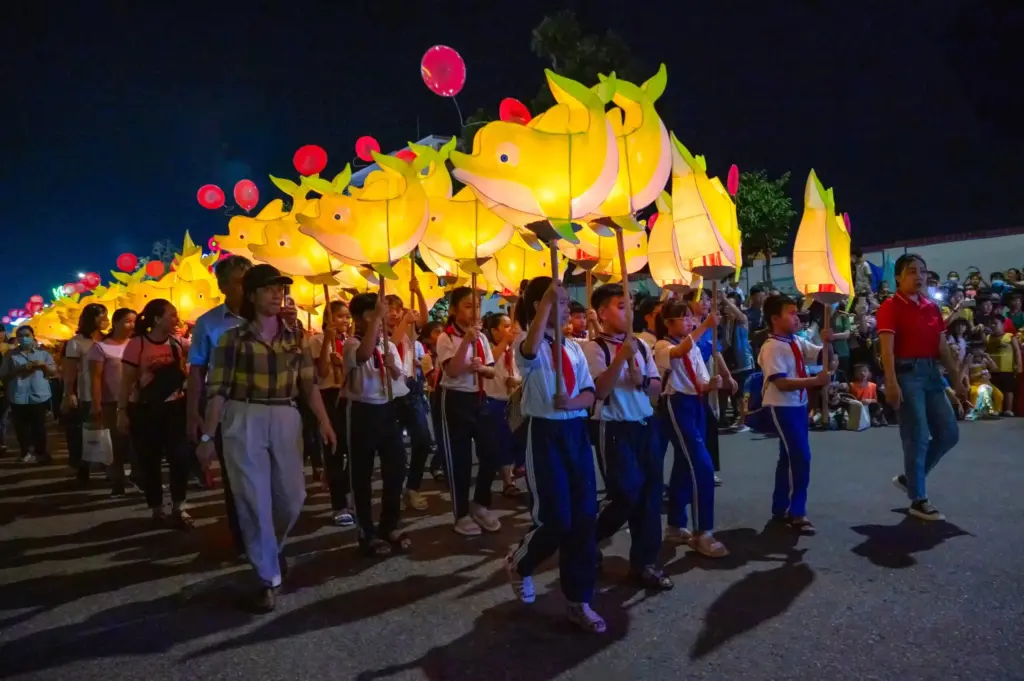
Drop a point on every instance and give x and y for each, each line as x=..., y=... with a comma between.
x=205, y=438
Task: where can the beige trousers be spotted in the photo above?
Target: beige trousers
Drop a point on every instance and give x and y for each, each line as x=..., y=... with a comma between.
x=263, y=453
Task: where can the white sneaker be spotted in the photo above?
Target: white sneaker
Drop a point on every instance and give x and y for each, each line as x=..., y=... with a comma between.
x=522, y=587
x=584, y=617
x=484, y=517
x=467, y=527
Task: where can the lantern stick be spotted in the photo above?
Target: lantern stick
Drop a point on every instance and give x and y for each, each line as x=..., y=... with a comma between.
x=825, y=345
x=621, y=243
x=557, y=362
x=384, y=335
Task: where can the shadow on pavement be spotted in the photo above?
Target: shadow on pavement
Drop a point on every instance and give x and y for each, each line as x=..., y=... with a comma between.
x=893, y=546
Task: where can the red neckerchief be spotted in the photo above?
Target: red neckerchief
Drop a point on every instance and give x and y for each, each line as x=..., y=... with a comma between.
x=617, y=341
x=798, y=357
x=691, y=373
x=378, y=363
x=568, y=372
x=339, y=344
x=478, y=351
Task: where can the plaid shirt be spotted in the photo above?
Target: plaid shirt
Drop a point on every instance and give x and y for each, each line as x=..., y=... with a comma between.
x=247, y=368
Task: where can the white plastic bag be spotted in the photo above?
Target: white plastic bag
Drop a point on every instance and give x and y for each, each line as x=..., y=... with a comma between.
x=96, y=446
x=860, y=416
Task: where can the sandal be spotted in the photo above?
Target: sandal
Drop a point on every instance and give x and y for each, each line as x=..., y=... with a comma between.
x=801, y=525
x=182, y=521
x=652, y=577
x=438, y=474
x=510, y=491
x=377, y=548
x=706, y=545
x=400, y=540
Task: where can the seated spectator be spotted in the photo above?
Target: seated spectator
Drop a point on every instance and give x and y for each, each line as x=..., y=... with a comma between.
x=985, y=399
x=1014, y=314
x=1004, y=351
x=998, y=283
x=865, y=391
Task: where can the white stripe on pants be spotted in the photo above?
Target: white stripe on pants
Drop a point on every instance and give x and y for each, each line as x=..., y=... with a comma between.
x=263, y=452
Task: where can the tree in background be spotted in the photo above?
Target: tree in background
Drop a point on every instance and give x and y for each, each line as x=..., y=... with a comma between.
x=765, y=214
x=561, y=42
x=163, y=251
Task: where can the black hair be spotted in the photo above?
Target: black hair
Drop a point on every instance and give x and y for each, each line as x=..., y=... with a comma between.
x=735, y=296
x=670, y=309
x=361, y=304
x=904, y=260
x=491, y=321
x=88, y=322
x=31, y=331
x=120, y=313
x=532, y=294
x=394, y=300
x=957, y=323
x=953, y=272
x=860, y=296
x=428, y=329
x=755, y=289
x=602, y=295
x=454, y=298
x=696, y=294
x=856, y=252
x=576, y=308
x=858, y=367
x=228, y=266
x=996, y=317
x=336, y=307
x=933, y=275
x=774, y=305
x=146, y=320
x=996, y=275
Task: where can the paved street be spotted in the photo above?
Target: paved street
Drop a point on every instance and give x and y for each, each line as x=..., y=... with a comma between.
x=89, y=591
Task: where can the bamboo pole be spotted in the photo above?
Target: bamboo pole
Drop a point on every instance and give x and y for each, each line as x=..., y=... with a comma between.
x=556, y=361
x=825, y=347
x=384, y=335
x=621, y=243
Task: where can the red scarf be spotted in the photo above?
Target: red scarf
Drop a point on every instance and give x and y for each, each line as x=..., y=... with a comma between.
x=687, y=366
x=478, y=351
x=798, y=357
x=568, y=372
x=378, y=363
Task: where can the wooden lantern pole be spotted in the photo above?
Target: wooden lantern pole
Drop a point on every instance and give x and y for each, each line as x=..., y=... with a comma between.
x=825, y=347
x=620, y=241
x=384, y=335
x=556, y=361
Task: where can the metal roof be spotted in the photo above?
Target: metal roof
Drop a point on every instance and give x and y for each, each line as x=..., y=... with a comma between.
x=434, y=141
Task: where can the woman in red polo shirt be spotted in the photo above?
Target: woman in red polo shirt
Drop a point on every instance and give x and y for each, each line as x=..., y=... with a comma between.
x=911, y=332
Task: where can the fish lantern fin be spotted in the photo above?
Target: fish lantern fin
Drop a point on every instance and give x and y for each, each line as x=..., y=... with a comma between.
x=601, y=229
x=385, y=269
x=664, y=202
x=702, y=163
x=568, y=91
x=564, y=229
x=655, y=87
x=285, y=185
x=470, y=266
x=342, y=179
x=531, y=240
x=272, y=210
x=628, y=223
x=447, y=148
x=396, y=165
x=369, y=275
x=318, y=184
x=121, y=277
x=323, y=280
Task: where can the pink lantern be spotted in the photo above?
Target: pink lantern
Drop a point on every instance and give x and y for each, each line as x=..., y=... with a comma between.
x=364, y=145
x=126, y=262
x=406, y=155
x=69, y=289
x=513, y=111
x=246, y=194
x=443, y=71
x=733, y=181
x=212, y=244
x=846, y=221
x=36, y=299
x=6, y=319
x=210, y=196
x=79, y=287
x=309, y=160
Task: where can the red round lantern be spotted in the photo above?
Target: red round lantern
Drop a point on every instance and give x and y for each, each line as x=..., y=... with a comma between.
x=246, y=194
x=443, y=71
x=733, y=181
x=6, y=319
x=364, y=145
x=79, y=287
x=651, y=220
x=212, y=244
x=513, y=111
x=91, y=280
x=36, y=299
x=210, y=196
x=309, y=160
x=126, y=262
x=155, y=268
x=33, y=307
x=846, y=221
x=406, y=155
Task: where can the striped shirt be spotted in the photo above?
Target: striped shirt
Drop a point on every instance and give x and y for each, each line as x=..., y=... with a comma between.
x=244, y=367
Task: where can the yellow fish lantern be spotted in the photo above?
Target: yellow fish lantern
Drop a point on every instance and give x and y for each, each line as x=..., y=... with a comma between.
x=383, y=223
x=429, y=286
x=361, y=279
x=597, y=252
x=514, y=264
x=821, y=254
x=244, y=231
x=48, y=326
x=705, y=218
x=461, y=228
x=559, y=167
x=645, y=154
x=636, y=257
x=194, y=298
x=305, y=293
x=111, y=297
x=291, y=251
x=140, y=293
x=663, y=258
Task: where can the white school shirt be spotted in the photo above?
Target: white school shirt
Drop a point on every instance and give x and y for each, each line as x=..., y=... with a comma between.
x=649, y=338
x=539, y=380
x=676, y=377
x=776, y=360
x=447, y=345
x=364, y=378
x=504, y=368
x=316, y=343
x=626, y=401
x=409, y=361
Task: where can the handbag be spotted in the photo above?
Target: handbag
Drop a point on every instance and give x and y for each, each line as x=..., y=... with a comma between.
x=97, y=446
x=860, y=415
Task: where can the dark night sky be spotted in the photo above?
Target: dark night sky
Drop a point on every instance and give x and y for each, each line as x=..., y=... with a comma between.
x=114, y=119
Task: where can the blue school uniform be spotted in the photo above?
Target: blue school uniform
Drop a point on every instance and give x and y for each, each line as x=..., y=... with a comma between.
x=559, y=471
x=629, y=451
x=692, y=481
x=788, y=357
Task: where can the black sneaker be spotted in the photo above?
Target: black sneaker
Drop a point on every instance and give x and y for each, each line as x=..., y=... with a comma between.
x=923, y=509
x=117, y=491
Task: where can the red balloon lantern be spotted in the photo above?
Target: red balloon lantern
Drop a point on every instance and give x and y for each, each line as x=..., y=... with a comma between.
x=33, y=307
x=212, y=244
x=91, y=280
x=126, y=262
x=246, y=194
x=309, y=160
x=154, y=268
x=6, y=319
x=210, y=196
x=443, y=71
x=79, y=287
x=846, y=221
x=406, y=155
x=36, y=299
x=364, y=145
x=651, y=220
x=513, y=111
x=733, y=181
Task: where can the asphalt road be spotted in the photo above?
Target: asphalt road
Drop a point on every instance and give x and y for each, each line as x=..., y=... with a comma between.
x=89, y=591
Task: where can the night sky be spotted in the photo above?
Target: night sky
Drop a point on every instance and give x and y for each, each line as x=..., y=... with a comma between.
x=113, y=120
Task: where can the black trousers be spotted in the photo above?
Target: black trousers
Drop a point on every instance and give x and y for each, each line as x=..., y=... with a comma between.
x=373, y=431
x=158, y=433
x=462, y=421
x=30, y=428
x=73, y=422
x=412, y=415
x=335, y=462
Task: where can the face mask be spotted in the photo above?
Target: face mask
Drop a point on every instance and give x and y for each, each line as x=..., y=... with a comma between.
x=25, y=342
x=997, y=282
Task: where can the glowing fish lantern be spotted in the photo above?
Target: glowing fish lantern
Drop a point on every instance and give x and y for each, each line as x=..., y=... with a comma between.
x=599, y=254
x=663, y=257
x=245, y=231
x=559, y=167
x=704, y=212
x=821, y=254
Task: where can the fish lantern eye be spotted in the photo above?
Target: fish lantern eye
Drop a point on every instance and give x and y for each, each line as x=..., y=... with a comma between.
x=508, y=154
x=282, y=243
x=241, y=237
x=337, y=216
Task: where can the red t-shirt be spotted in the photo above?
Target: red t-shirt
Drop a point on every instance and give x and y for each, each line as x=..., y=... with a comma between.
x=916, y=326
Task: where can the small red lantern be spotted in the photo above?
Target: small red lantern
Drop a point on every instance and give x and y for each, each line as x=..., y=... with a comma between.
x=309, y=160
x=36, y=299
x=212, y=244
x=406, y=155
x=155, y=268
x=846, y=221
x=6, y=319
x=210, y=196
x=364, y=145
x=443, y=71
x=126, y=262
x=651, y=220
x=733, y=181
x=513, y=111
x=246, y=194
x=69, y=289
